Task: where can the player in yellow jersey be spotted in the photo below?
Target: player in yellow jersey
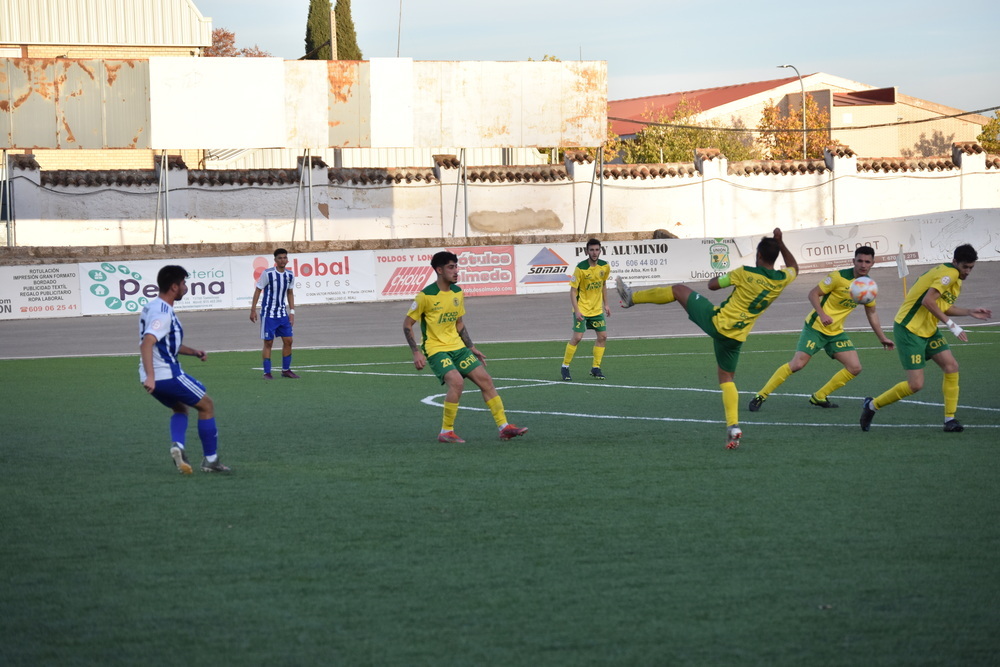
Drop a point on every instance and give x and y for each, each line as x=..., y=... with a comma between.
x=447, y=348
x=754, y=289
x=930, y=301
x=588, y=295
x=824, y=330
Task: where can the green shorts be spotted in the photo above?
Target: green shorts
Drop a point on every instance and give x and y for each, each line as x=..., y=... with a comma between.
x=727, y=350
x=597, y=323
x=461, y=360
x=812, y=341
x=914, y=350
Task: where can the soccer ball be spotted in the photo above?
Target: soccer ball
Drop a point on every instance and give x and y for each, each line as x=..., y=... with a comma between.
x=863, y=290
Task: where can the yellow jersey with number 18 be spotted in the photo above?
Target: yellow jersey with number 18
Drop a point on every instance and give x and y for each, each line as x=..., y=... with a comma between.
x=912, y=315
x=754, y=289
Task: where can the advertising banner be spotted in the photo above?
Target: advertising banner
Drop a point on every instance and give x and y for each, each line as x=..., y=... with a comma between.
x=39, y=291
x=321, y=277
x=114, y=288
x=399, y=274
x=546, y=268
x=829, y=248
x=482, y=271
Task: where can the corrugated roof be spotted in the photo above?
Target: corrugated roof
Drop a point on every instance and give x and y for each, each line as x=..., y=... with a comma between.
x=106, y=22
x=707, y=98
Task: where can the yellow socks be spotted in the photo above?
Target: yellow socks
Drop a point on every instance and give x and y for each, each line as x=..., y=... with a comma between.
x=450, y=413
x=496, y=407
x=835, y=383
x=783, y=373
x=570, y=353
x=731, y=402
x=949, y=387
x=899, y=392
x=598, y=356
x=654, y=295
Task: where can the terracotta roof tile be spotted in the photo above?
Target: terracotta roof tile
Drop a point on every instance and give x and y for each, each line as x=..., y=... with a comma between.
x=968, y=147
x=643, y=171
x=219, y=177
x=776, y=167
x=447, y=161
x=840, y=150
x=379, y=176
x=97, y=178
x=896, y=164
x=522, y=174
x=579, y=157
x=24, y=162
x=993, y=161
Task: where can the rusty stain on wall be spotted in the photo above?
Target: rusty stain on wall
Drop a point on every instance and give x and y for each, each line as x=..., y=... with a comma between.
x=342, y=75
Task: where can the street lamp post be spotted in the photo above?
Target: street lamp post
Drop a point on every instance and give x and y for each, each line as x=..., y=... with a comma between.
x=803, y=87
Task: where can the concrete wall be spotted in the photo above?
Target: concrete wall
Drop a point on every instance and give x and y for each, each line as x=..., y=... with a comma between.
x=707, y=199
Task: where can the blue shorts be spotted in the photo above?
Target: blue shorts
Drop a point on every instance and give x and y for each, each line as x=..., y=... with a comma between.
x=271, y=327
x=181, y=389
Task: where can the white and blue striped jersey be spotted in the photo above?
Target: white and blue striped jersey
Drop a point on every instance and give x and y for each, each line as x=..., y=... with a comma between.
x=158, y=319
x=274, y=285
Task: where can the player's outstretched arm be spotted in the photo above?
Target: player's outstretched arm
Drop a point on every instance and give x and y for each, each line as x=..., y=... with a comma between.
x=786, y=255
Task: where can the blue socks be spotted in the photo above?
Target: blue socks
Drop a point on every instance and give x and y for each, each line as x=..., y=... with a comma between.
x=286, y=363
x=209, y=436
x=178, y=427
x=267, y=365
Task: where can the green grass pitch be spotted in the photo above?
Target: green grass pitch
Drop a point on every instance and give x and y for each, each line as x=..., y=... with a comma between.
x=619, y=530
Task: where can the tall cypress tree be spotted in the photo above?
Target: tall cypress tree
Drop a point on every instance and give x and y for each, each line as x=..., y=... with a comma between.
x=318, y=30
x=347, y=39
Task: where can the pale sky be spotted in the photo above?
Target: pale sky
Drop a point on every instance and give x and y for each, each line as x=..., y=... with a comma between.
x=940, y=52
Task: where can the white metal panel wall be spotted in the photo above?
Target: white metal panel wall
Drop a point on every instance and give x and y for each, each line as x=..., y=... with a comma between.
x=391, y=102
x=307, y=108
x=111, y=22
x=217, y=102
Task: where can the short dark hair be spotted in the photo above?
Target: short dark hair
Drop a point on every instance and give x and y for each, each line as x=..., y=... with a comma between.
x=966, y=253
x=442, y=258
x=169, y=276
x=864, y=250
x=593, y=242
x=769, y=248
x=280, y=251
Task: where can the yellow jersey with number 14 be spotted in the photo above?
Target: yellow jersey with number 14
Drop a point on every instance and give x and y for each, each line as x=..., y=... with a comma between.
x=754, y=289
x=438, y=313
x=836, y=302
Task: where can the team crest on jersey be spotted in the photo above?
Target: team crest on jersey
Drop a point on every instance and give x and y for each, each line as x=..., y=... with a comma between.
x=413, y=306
x=945, y=280
x=455, y=301
x=828, y=280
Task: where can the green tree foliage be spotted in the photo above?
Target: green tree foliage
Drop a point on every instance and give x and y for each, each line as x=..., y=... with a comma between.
x=318, y=31
x=677, y=135
x=989, y=138
x=787, y=144
x=224, y=46
x=347, y=39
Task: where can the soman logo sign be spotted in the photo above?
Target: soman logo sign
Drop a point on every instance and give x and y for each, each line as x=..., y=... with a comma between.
x=546, y=268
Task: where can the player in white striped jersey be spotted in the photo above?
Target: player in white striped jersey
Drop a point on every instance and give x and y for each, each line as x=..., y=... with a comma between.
x=161, y=342
x=276, y=318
